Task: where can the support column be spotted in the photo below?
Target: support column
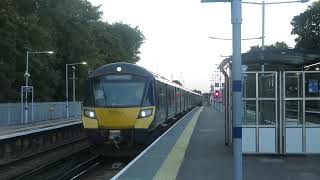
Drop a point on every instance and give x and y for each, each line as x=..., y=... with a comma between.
x=236, y=18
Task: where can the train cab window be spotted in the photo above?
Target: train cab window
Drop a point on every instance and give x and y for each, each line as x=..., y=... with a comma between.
x=88, y=100
x=118, y=90
x=149, y=96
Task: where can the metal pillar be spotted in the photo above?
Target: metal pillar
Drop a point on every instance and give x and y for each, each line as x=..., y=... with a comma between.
x=22, y=117
x=236, y=18
x=67, y=93
x=263, y=22
x=262, y=37
x=74, y=83
x=32, y=96
x=220, y=90
x=226, y=106
x=24, y=107
x=26, y=95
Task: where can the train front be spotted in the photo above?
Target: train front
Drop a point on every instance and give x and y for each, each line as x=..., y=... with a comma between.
x=119, y=105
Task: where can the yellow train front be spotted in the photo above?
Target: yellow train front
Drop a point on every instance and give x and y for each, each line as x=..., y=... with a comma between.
x=124, y=103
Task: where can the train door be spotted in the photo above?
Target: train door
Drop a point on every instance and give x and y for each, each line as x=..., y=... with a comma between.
x=178, y=94
x=182, y=100
x=175, y=100
x=161, y=111
x=172, y=102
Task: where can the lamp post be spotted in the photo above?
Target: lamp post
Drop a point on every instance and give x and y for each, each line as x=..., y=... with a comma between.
x=263, y=5
x=67, y=93
x=26, y=88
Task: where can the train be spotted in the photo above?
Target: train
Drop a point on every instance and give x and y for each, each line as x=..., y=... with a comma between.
x=125, y=103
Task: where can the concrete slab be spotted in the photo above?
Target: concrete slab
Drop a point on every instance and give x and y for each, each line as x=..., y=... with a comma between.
x=147, y=164
x=205, y=156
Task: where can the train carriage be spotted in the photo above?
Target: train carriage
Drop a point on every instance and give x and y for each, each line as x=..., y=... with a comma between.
x=124, y=103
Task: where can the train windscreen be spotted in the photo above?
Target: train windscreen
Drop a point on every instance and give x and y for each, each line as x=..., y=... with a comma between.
x=118, y=90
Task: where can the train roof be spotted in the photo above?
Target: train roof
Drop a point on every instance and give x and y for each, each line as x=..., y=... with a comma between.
x=135, y=69
x=166, y=81
x=124, y=68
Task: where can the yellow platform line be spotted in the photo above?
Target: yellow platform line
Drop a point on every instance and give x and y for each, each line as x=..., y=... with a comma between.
x=170, y=167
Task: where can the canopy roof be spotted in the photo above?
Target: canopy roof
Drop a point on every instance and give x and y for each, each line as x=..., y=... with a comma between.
x=294, y=57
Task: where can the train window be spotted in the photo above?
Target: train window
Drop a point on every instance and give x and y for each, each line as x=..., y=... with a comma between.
x=88, y=100
x=114, y=91
x=119, y=77
x=149, y=97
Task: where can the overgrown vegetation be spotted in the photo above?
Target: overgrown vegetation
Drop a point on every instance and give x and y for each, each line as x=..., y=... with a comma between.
x=307, y=26
x=73, y=29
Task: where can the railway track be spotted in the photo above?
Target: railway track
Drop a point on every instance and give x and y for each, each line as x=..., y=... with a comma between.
x=105, y=169
x=16, y=169
x=54, y=169
x=84, y=165
x=80, y=165
x=82, y=168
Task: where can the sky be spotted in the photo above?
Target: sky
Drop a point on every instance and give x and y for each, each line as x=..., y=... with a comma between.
x=177, y=44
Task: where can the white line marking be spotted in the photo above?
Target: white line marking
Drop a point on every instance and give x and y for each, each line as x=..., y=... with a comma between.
x=171, y=165
x=147, y=149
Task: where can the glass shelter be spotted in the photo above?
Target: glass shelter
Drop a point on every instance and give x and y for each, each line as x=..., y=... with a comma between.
x=281, y=105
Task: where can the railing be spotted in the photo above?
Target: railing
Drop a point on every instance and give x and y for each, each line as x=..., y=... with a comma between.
x=10, y=113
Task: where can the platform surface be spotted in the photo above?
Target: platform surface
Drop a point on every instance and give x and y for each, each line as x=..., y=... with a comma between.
x=195, y=149
x=11, y=131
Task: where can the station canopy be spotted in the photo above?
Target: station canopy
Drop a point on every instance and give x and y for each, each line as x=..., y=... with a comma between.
x=297, y=58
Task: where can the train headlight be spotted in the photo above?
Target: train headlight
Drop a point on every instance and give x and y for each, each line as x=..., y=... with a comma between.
x=90, y=113
x=145, y=113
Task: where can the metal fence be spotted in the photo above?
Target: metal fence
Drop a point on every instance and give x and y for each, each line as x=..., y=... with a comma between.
x=10, y=113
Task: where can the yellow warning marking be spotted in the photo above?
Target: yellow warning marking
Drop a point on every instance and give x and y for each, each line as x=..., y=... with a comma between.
x=170, y=167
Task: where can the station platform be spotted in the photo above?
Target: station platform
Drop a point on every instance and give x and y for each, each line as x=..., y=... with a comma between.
x=194, y=148
x=12, y=131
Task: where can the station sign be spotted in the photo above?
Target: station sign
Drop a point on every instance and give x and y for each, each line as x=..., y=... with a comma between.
x=27, y=88
x=313, y=86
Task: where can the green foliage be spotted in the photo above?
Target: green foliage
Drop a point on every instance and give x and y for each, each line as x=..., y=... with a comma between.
x=307, y=27
x=277, y=45
x=73, y=29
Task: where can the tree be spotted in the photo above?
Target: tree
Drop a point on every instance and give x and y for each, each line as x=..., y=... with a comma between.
x=73, y=29
x=131, y=39
x=277, y=45
x=177, y=82
x=307, y=26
